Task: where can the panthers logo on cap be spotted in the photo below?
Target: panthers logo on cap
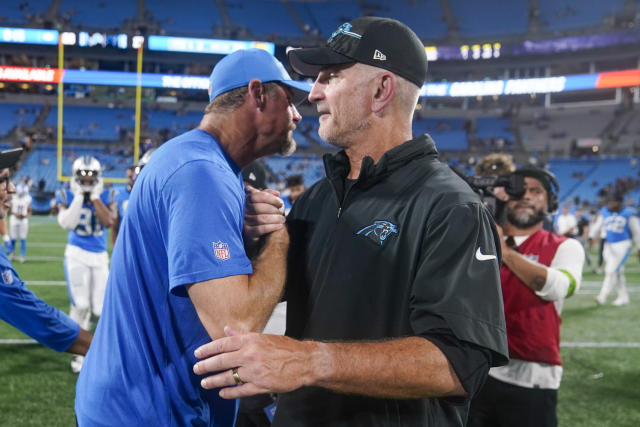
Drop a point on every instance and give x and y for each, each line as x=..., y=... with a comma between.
x=343, y=29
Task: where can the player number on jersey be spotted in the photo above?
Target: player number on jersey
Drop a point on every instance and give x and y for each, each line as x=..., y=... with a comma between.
x=89, y=224
x=615, y=224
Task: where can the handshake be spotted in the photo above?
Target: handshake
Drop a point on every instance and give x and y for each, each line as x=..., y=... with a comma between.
x=89, y=192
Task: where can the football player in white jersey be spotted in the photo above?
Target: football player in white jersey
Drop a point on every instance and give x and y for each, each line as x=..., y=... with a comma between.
x=618, y=226
x=19, y=220
x=86, y=210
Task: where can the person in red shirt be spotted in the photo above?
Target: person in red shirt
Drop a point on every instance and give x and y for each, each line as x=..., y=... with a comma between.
x=539, y=270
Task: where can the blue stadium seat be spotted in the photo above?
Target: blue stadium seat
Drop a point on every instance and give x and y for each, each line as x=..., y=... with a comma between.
x=99, y=14
x=18, y=12
x=17, y=115
x=308, y=165
x=447, y=132
x=265, y=19
x=569, y=15
x=493, y=127
x=171, y=120
x=425, y=18
x=490, y=17
x=597, y=172
x=188, y=17
x=82, y=123
x=42, y=163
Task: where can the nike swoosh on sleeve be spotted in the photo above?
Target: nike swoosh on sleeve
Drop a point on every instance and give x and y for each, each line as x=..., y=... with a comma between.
x=482, y=257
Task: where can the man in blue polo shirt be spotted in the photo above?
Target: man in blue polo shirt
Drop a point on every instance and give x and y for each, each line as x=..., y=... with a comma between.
x=179, y=271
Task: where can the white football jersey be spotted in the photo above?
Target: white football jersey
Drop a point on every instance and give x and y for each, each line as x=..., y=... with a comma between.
x=20, y=204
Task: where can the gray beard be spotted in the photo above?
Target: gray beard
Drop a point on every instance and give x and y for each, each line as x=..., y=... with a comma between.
x=288, y=148
x=524, y=220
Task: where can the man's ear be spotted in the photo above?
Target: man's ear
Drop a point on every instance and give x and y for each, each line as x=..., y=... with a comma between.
x=256, y=93
x=385, y=90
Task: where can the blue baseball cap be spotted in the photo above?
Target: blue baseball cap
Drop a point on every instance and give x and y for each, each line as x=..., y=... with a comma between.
x=238, y=68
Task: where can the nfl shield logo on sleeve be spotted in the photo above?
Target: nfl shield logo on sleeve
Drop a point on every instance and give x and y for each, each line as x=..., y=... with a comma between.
x=221, y=250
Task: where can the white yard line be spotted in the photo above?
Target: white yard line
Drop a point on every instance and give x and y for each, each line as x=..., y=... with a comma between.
x=42, y=258
x=46, y=282
x=606, y=344
x=46, y=244
x=14, y=342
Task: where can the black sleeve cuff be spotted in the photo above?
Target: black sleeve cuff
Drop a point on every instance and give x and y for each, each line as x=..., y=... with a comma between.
x=470, y=362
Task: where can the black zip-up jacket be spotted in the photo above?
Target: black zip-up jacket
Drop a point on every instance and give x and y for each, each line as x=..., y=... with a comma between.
x=406, y=250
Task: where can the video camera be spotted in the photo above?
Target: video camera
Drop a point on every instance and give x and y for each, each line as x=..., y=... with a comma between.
x=484, y=186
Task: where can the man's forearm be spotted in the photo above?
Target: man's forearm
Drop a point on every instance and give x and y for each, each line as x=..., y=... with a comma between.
x=408, y=368
x=267, y=281
x=240, y=301
x=532, y=274
x=401, y=368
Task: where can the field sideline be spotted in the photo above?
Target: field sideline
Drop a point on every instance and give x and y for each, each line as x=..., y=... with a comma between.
x=600, y=349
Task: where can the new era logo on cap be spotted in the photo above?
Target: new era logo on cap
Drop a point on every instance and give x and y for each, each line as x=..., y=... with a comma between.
x=379, y=55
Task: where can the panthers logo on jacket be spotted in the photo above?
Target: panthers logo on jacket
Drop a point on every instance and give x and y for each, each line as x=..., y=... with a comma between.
x=378, y=231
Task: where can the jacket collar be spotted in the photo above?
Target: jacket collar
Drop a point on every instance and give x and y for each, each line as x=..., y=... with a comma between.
x=337, y=165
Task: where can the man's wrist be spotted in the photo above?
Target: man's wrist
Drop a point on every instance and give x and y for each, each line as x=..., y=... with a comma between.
x=279, y=237
x=322, y=363
x=507, y=255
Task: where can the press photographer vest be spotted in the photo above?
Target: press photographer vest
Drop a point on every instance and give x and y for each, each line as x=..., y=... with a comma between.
x=533, y=324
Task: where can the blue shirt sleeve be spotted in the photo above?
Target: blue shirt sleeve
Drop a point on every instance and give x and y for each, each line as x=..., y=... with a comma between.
x=22, y=309
x=204, y=204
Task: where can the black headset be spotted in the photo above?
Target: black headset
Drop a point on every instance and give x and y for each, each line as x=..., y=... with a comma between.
x=548, y=178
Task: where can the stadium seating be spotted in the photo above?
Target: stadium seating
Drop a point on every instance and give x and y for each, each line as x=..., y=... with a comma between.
x=448, y=133
x=82, y=123
x=93, y=14
x=584, y=178
x=191, y=17
x=175, y=122
x=555, y=131
x=563, y=15
x=18, y=12
x=426, y=18
x=325, y=17
x=265, y=19
x=41, y=163
x=493, y=127
x=17, y=115
x=309, y=166
x=490, y=17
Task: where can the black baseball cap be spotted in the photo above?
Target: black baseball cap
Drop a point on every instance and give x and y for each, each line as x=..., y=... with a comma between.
x=379, y=42
x=8, y=158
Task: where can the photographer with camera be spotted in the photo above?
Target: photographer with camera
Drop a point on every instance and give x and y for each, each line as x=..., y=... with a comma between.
x=539, y=270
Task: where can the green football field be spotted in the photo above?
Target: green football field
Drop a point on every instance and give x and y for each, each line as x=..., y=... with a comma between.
x=601, y=350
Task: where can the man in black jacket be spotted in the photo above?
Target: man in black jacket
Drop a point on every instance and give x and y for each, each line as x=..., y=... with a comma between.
x=394, y=306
